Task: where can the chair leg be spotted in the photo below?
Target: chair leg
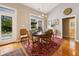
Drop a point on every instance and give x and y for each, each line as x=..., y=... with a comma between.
x=28, y=42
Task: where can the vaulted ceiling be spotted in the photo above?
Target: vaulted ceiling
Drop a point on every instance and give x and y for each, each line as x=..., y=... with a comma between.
x=42, y=7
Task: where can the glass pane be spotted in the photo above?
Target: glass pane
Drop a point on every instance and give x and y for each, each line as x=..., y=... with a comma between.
x=6, y=27
x=33, y=25
x=40, y=26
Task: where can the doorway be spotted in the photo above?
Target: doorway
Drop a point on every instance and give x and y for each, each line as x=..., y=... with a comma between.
x=69, y=35
x=69, y=25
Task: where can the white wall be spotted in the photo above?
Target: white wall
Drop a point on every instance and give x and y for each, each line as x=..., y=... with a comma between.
x=23, y=15
x=57, y=13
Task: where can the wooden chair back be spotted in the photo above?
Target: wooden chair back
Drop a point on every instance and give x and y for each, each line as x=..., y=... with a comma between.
x=23, y=31
x=24, y=34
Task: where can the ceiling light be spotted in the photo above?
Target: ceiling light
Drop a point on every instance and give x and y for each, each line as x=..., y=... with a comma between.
x=43, y=14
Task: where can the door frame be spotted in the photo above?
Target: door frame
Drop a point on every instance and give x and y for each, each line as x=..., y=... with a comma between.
x=75, y=25
x=14, y=21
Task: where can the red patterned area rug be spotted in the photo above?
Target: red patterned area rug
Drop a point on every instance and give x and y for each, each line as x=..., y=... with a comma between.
x=41, y=49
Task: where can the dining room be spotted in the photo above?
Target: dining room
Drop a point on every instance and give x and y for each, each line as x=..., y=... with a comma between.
x=36, y=29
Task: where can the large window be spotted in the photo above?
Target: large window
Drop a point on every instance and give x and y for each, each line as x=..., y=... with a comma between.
x=6, y=26
x=37, y=24
x=33, y=25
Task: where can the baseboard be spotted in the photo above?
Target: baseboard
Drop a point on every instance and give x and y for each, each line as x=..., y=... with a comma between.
x=77, y=40
x=8, y=43
x=66, y=37
x=58, y=36
x=17, y=41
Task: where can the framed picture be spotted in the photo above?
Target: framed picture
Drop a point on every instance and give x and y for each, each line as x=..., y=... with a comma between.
x=54, y=22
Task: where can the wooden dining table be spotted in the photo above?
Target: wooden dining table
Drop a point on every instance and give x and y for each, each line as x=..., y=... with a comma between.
x=41, y=36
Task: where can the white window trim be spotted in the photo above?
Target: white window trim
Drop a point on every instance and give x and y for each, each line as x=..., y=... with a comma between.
x=15, y=25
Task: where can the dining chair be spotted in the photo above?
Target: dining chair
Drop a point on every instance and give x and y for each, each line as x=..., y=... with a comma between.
x=50, y=34
x=46, y=39
x=33, y=39
x=24, y=35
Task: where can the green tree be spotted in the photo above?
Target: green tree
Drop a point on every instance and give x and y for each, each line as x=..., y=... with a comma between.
x=6, y=23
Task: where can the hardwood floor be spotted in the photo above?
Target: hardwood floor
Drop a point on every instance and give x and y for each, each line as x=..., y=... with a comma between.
x=8, y=48
x=68, y=48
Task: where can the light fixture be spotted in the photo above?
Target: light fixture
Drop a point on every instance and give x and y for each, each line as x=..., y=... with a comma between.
x=43, y=14
x=43, y=8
